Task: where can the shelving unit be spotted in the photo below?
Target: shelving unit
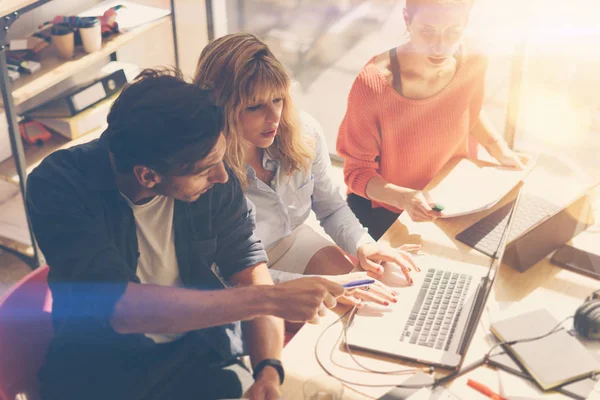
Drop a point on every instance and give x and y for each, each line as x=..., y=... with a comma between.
x=35, y=154
x=54, y=70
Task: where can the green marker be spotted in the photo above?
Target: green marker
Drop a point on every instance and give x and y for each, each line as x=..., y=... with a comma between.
x=438, y=207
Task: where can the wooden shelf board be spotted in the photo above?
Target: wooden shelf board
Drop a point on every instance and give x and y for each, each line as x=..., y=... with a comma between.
x=21, y=248
x=55, y=69
x=10, y=6
x=35, y=154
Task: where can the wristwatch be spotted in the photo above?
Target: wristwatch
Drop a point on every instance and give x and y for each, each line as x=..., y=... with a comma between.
x=269, y=362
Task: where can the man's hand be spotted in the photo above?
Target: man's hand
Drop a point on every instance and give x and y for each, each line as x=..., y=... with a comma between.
x=371, y=255
x=304, y=299
x=266, y=386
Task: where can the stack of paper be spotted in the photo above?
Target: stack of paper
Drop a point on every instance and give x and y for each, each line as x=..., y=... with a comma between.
x=470, y=188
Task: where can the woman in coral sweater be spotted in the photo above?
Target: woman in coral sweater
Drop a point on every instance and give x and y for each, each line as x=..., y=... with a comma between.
x=411, y=110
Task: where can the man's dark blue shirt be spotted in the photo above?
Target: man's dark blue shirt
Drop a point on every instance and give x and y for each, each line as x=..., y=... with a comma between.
x=87, y=233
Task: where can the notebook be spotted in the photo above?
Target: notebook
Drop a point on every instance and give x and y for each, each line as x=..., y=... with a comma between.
x=552, y=361
x=579, y=390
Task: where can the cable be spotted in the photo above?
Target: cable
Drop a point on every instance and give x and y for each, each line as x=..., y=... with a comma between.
x=430, y=369
x=527, y=340
x=352, y=311
x=396, y=372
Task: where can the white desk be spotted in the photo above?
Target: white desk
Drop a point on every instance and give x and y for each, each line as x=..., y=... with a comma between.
x=543, y=285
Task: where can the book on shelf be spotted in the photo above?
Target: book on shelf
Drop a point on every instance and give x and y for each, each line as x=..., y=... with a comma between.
x=82, y=123
x=81, y=97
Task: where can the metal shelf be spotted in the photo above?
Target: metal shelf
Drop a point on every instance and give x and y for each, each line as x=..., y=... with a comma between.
x=54, y=70
x=35, y=154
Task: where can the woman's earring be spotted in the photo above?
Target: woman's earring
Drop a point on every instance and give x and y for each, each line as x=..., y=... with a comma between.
x=407, y=34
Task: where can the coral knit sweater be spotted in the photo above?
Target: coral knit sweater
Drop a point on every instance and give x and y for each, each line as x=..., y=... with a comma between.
x=407, y=141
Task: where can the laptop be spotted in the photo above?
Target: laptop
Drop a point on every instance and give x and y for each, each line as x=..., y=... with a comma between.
x=435, y=318
x=539, y=228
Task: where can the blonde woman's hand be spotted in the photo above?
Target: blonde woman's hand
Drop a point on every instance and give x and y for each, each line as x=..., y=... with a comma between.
x=377, y=293
x=371, y=255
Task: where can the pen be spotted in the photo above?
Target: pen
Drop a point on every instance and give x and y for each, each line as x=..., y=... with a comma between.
x=481, y=388
x=358, y=283
x=438, y=207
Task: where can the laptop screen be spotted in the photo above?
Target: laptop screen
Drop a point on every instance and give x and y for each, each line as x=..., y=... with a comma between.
x=486, y=282
x=496, y=259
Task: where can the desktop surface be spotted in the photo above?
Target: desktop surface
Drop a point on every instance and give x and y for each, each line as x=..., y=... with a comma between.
x=561, y=291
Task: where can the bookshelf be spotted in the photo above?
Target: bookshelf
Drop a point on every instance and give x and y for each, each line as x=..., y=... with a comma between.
x=10, y=6
x=54, y=70
x=35, y=154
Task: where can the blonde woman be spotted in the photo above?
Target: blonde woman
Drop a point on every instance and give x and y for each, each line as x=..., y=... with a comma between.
x=283, y=163
x=410, y=110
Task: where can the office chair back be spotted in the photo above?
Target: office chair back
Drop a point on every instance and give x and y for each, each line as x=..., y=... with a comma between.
x=25, y=332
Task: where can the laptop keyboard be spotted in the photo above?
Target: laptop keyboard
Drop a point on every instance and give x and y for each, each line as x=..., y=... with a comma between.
x=485, y=235
x=433, y=318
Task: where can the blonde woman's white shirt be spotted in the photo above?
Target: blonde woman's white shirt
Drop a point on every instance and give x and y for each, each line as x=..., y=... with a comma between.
x=286, y=203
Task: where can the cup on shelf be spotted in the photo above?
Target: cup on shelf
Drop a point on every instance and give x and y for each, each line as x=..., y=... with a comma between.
x=63, y=38
x=90, y=30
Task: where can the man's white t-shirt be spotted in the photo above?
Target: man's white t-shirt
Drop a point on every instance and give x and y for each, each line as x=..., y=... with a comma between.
x=157, y=263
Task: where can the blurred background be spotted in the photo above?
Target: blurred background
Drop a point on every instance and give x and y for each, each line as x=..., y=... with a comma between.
x=543, y=80
x=547, y=51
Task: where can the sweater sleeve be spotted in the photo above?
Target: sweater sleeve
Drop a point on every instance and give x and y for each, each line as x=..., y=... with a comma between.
x=359, y=138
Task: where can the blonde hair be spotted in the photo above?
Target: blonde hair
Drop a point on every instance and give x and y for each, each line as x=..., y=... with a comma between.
x=243, y=71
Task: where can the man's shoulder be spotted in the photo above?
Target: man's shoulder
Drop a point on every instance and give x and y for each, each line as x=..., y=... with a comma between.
x=65, y=161
x=64, y=171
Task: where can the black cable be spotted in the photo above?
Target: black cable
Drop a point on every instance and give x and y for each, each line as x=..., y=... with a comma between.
x=430, y=369
x=532, y=339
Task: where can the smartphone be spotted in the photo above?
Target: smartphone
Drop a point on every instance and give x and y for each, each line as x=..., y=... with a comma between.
x=577, y=260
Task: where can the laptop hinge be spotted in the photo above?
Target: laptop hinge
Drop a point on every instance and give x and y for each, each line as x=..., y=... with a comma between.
x=471, y=327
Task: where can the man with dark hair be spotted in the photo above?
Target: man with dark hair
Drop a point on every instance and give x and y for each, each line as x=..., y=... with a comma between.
x=145, y=233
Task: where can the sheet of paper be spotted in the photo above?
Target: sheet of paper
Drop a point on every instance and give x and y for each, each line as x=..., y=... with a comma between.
x=470, y=188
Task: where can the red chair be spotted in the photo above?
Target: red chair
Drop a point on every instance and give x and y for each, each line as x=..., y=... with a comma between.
x=25, y=332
